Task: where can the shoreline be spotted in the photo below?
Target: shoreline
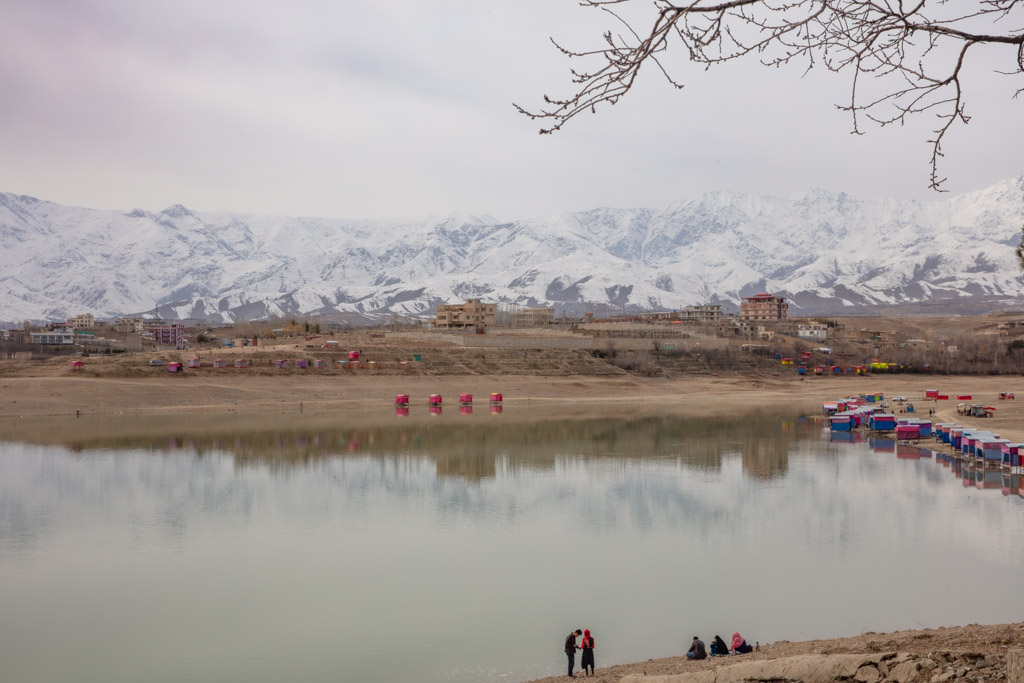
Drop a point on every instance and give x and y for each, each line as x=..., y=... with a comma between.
x=35, y=399
x=48, y=392
x=979, y=642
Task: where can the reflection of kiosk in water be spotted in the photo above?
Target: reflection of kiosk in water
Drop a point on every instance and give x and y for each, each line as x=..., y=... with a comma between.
x=843, y=437
x=883, y=445
x=969, y=476
x=988, y=479
x=904, y=452
x=1011, y=484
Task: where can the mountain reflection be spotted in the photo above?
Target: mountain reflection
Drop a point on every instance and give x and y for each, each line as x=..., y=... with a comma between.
x=465, y=448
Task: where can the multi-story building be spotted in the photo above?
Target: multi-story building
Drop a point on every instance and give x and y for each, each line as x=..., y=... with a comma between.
x=83, y=321
x=173, y=335
x=706, y=313
x=813, y=331
x=129, y=325
x=763, y=308
x=470, y=315
x=532, y=317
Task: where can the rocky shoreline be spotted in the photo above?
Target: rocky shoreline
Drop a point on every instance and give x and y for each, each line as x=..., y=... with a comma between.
x=967, y=654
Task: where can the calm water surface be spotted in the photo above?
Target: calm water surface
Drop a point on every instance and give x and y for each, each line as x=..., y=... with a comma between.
x=465, y=547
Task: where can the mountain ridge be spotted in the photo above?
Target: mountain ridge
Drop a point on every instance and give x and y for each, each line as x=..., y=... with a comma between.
x=829, y=252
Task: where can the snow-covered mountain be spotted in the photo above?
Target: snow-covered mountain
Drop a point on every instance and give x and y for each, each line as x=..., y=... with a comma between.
x=826, y=251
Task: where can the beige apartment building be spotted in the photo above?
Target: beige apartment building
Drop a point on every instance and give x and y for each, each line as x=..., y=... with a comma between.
x=531, y=317
x=705, y=313
x=764, y=308
x=83, y=321
x=470, y=315
x=128, y=325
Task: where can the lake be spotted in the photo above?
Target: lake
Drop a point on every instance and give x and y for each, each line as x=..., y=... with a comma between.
x=464, y=547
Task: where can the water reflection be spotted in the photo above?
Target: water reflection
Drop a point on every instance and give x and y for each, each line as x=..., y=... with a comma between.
x=971, y=474
x=213, y=548
x=464, y=448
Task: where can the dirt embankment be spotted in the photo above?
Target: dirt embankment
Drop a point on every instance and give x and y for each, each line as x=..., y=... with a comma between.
x=973, y=653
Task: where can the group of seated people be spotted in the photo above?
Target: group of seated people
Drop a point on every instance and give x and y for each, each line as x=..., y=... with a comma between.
x=718, y=647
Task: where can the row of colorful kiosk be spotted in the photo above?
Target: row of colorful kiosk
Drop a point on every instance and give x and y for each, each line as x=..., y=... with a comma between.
x=434, y=402
x=974, y=445
x=301, y=363
x=979, y=445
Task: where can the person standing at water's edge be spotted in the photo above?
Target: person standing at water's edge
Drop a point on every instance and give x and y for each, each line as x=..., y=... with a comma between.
x=571, y=647
x=697, y=650
x=587, y=656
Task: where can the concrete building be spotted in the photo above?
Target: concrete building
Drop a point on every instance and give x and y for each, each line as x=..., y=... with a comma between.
x=83, y=321
x=531, y=317
x=706, y=313
x=172, y=335
x=471, y=315
x=764, y=308
x=129, y=325
x=812, y=331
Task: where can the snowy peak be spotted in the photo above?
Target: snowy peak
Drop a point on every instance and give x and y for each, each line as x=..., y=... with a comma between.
x=826, y=250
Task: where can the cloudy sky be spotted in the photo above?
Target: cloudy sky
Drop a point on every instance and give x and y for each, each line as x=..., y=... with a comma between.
x=367, y=109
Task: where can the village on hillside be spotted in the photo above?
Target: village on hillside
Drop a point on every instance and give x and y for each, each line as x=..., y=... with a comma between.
x=762, y=335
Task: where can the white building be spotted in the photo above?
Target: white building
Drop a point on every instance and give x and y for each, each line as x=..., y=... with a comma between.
x=812, y=331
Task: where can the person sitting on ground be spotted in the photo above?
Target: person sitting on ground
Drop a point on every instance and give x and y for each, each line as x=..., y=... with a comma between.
x=697, y=650
x=739, y=646
x=718, y=647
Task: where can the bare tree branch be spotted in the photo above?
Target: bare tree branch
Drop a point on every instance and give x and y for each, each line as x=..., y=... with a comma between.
x=915, y=50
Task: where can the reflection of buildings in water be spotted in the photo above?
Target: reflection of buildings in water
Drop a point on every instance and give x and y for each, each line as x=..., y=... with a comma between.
x=989, y=479
x=1011, y=484
x=766, y=458
x=472, y=467
x=881, y=445
x=908, y=452
x=468, y=448
x=968, y=476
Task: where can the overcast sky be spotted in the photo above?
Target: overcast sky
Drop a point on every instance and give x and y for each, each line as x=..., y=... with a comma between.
x=368, y=109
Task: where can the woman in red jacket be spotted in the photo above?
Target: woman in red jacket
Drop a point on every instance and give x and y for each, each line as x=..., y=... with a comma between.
x=587, y=658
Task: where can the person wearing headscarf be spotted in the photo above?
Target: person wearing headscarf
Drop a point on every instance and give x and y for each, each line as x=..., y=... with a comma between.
x=587, y=656
x=739, y=646
x=718, y=647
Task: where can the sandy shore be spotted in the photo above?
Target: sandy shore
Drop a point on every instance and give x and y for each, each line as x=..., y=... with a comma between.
x=992, y=642
x=30, y=393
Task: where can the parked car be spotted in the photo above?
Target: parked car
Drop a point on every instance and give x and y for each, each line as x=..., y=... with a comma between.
x=156, y=361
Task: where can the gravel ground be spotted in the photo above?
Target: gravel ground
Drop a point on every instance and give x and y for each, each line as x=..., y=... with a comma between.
x=976, y=642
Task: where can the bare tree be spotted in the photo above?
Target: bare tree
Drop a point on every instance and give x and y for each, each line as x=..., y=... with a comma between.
x=916, y=49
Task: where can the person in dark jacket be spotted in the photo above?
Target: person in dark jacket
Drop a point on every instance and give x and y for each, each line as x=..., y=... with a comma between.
x=719, y=647
x=571, y=647
x=697, y=650
x=587, y=653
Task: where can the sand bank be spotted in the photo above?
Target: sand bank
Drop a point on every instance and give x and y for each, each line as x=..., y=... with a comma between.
x=32, y=394
x=986, y=648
